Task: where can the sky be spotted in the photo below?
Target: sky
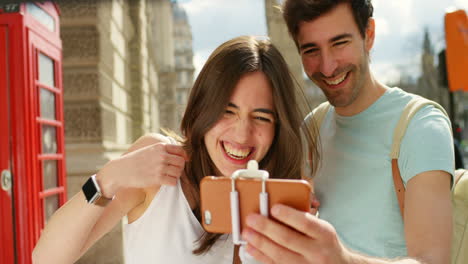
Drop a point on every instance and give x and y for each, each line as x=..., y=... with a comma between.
x=400, y=26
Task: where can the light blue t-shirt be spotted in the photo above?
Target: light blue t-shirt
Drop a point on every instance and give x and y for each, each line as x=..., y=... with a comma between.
x=354, y=181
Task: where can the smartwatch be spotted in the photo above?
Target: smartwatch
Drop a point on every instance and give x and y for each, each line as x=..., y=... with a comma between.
x=93, y=193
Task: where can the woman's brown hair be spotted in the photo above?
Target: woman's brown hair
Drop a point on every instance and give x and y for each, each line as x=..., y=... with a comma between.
x=209, y=98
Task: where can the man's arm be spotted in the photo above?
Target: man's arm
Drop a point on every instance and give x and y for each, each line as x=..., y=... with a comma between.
x=299, y=237
x=428, y=217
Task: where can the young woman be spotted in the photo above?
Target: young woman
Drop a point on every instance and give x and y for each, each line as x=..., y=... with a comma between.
x=241, y=107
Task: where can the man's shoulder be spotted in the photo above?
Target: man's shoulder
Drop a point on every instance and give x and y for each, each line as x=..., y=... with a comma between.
x=396, y=94
x=400, y=99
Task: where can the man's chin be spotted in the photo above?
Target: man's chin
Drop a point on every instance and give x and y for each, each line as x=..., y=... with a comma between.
x=339, y=100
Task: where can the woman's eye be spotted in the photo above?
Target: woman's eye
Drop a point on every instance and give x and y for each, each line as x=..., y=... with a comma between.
x=229, y=112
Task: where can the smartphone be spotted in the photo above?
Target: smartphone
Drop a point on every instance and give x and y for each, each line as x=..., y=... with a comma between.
x=216, y=206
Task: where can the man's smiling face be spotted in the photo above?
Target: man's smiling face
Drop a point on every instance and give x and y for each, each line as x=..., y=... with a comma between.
x=335, y=55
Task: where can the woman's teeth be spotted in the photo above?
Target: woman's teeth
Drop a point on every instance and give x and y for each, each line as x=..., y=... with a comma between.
x=336, y=81
x=234, y=153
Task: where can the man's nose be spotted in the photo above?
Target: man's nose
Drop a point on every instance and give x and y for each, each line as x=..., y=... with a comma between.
x=328, y=64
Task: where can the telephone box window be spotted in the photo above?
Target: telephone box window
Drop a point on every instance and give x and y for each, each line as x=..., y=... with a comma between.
x=47, y=99
x=40, y=15
x=50, y=206
x=49, y=139
x=49, y=168
x=46, y=70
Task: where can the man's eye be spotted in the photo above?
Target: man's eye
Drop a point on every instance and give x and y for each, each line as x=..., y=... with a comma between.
x=340, y=43
x=311, y=51
x=228, y=112
x=264, y=119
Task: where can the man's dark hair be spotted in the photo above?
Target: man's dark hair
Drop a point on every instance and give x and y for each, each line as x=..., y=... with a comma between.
x=297, y=11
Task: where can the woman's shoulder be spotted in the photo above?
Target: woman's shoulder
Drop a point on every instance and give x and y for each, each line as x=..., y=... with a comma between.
x=153, y=138
x=147, y=140
x=146, y=195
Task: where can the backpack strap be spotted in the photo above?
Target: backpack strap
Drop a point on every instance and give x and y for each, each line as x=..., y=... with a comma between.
x=413, y=106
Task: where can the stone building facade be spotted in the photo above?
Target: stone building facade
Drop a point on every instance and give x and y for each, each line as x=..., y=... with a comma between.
x=183, y=58
x=162, y=30
x=119, y=83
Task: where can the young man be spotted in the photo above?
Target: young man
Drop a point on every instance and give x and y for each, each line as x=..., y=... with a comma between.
x=360, y=220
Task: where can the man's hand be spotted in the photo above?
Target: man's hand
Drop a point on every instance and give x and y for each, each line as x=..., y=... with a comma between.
x=273, y=242
x=299, y=237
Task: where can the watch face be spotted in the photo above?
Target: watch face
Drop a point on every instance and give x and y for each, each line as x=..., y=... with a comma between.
x=89, y=189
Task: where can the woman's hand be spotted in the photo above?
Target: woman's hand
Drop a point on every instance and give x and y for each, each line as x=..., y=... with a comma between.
x=155, y=164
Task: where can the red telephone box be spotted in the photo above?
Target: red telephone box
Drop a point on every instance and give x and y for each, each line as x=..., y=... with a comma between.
x=32, y=161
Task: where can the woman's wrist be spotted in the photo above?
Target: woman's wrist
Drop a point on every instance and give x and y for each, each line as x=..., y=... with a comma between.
x=107, y=182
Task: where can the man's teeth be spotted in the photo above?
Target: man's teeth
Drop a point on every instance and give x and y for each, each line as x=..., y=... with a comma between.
x=236, y=153
x=337, y=81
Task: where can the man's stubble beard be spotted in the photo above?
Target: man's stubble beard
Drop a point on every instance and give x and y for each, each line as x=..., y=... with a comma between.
x=335, y=98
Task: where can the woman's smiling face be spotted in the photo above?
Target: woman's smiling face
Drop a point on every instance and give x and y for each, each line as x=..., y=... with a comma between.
x=247, y=127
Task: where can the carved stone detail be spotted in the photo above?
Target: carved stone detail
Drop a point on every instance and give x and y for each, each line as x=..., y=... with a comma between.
x=78, y=8
x=80, y=43
x=80, y=83
x=82, y=122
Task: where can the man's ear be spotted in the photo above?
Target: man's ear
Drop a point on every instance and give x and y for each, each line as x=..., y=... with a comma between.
x=370, y=34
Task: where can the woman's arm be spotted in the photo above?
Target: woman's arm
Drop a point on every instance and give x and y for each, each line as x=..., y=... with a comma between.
x=75, y=227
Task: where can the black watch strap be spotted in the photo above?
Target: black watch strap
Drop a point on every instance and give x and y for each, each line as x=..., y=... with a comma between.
x=93, y=194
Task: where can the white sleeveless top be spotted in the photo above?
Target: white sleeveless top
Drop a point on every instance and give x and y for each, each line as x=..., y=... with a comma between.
x=167, y=233
x=168, y=230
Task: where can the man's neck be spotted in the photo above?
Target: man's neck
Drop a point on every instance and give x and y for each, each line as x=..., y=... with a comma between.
x=370, y=93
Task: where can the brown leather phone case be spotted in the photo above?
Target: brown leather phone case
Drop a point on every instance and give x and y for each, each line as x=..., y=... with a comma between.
x=215, y=199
